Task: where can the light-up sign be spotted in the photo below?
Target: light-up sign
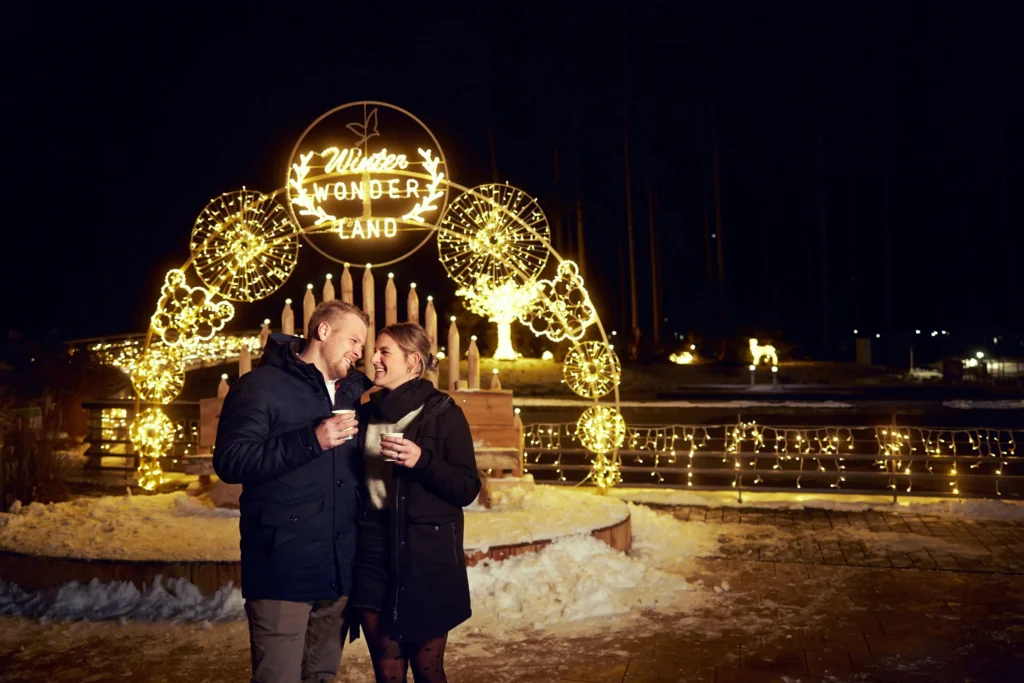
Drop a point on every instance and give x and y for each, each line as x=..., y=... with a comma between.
x=367, y=172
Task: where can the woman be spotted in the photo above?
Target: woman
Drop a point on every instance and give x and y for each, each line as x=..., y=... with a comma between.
x=410, y=584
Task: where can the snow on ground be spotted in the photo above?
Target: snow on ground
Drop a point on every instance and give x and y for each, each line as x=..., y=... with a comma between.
x=541, y=513
x=177, y=527
x=959, y=507
x=528, y=402
x=924, y=373
x=166, y=527
x=574, y=579
x=984, y=405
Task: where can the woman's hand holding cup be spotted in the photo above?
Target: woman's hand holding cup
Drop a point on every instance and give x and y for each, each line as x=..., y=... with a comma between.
x=396, y=449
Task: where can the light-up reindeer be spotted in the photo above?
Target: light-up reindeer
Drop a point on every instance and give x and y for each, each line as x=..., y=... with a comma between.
x=767, y=352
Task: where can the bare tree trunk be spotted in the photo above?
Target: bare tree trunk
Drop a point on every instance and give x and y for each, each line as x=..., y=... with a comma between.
x=581, y=259
x=634, y=305
x=557, y=237
x=655, y=270
x=823, y=260
x=718, y=235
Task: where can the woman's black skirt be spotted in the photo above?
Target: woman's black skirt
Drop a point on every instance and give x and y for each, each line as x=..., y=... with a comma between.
x=372, y=565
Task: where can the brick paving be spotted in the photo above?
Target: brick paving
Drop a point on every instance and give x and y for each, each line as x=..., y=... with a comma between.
x=819, y=596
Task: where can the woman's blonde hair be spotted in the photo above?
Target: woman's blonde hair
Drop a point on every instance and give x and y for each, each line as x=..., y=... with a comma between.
x=412, y=338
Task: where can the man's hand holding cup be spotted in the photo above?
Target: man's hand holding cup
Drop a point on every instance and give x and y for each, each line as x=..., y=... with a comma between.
x=337, y=429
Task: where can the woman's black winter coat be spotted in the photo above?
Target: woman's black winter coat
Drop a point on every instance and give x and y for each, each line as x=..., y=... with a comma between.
x=428, y=591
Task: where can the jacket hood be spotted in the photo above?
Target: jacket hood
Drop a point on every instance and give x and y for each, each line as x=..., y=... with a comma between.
x=282, y=351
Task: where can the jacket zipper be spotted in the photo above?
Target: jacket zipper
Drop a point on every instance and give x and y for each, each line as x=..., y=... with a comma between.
x=455, y=541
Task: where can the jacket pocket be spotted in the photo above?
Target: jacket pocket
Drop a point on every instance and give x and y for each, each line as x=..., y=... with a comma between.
x=292, y=514
x=433, y=548
x=455, y=542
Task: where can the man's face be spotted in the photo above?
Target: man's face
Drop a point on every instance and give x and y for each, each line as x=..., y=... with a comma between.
x=342, y=344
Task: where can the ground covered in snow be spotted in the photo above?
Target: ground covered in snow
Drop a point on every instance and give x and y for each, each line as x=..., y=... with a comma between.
x=178, y=527
x=706, y=595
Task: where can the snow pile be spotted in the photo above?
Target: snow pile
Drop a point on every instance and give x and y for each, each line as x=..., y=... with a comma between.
x=581, y=578
x=168, y=527
x=924, y=373
x=541, y=513
x=94, y=601
x=984, y=405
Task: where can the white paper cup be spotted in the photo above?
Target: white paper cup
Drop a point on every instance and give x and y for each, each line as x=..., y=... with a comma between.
x=391, y=435
x=346, y=412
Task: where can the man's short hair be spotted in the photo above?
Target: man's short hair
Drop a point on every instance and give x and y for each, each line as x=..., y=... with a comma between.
x=330, y=312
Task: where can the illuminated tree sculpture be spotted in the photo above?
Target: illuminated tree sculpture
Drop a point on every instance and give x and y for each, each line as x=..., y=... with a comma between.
x=500, y=303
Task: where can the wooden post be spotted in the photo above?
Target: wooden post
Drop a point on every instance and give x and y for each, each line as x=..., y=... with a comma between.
x=368, y=306
x=264, y=333
x=329, y=288
x=413, y=305
x=474, y=364
x=244, y=360
x=453, y=356
x=430, y=318
x=308, y=304
x=346, y=286
x=222, y=388
x=495, y=382
x=390, y=301
x=288, y=318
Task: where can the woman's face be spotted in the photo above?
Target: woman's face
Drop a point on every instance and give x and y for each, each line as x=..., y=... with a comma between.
x=391, y=366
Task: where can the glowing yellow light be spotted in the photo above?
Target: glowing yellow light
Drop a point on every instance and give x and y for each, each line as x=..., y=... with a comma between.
x=592, y=369
x=562, y=308
x=601, y=429
x=152, y=436
x=244, y=245
x=185, y=314
x=500, y=304
x=158, y=375
x=767, y=352
x=494, y=231
x=547, y=355
x=684, y=358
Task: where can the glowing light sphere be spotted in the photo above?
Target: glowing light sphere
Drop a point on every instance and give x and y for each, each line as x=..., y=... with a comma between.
x=188, y=314
x=592, y=369
x=244, y=245
x=601, y=429
x=158, y=375
x=606, y=472
x=496, y=231
x=152, y=436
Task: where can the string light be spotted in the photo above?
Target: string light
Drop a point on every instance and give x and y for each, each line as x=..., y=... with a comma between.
x=893, y=459
x=152, y=436
x=185, y=314
x=592, y=369
x=601, y=429
x=495, y=232
x=244, y=245
x=562, y=308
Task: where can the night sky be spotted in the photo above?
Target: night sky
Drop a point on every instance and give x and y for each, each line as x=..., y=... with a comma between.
x=869, y=159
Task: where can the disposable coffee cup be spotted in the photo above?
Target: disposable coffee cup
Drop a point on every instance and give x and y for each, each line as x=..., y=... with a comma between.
x=347, y=413
x=390, y=435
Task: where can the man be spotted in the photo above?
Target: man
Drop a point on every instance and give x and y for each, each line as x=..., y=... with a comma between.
x=295, y=462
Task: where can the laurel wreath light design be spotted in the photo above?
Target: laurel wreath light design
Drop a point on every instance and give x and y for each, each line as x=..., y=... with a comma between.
x=244, y=245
